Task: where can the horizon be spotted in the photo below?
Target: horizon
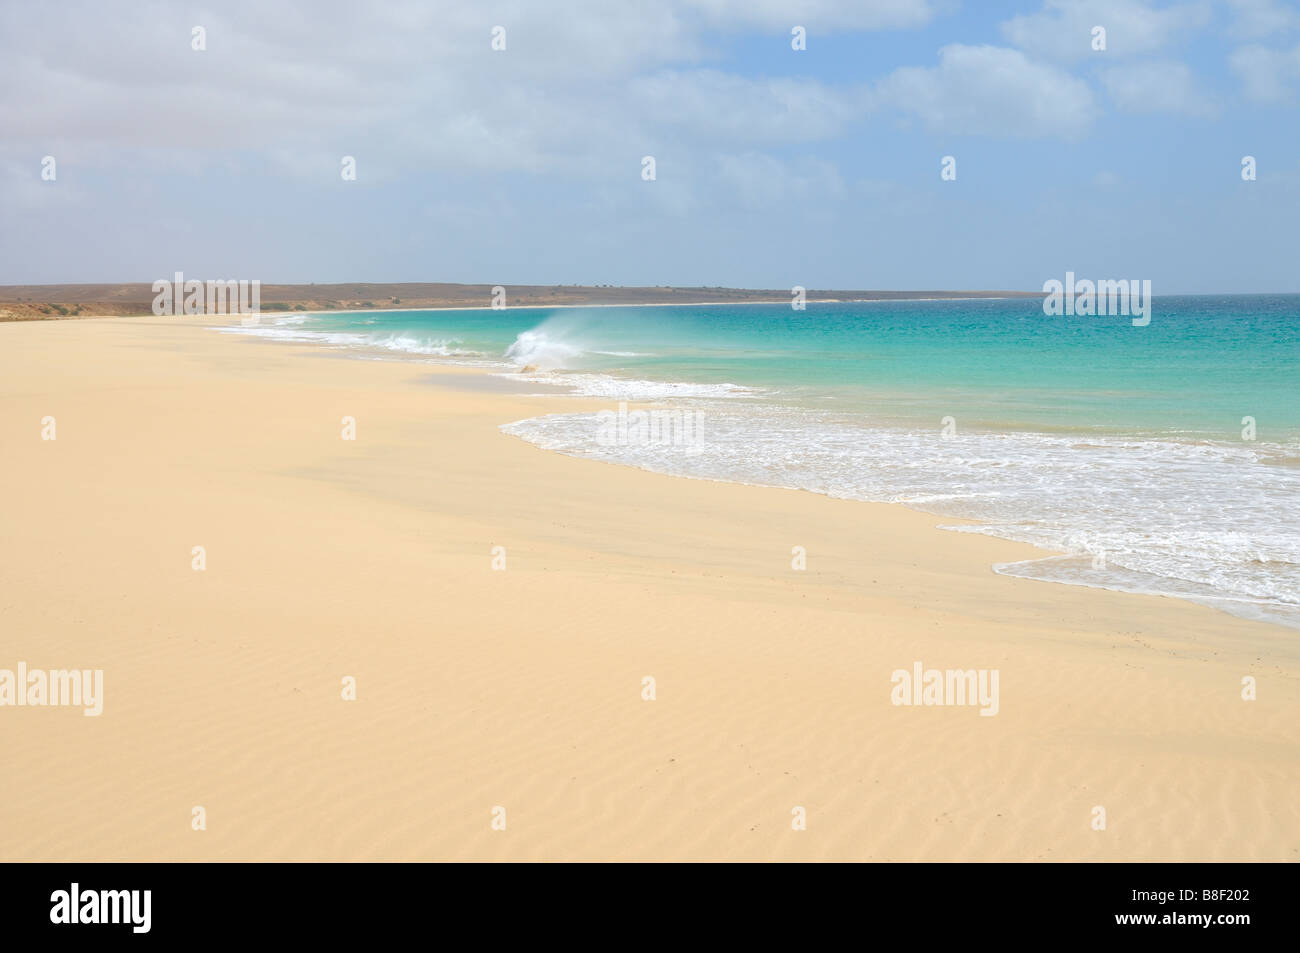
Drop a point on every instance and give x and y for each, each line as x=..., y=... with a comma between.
x=610, y=286
x=111, y=300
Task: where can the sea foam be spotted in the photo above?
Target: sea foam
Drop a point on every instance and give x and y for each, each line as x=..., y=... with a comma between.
x=1198, y=520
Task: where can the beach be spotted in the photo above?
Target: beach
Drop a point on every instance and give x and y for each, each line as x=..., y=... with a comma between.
x=500, y=607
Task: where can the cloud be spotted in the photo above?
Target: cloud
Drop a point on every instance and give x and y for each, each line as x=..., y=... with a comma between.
x=990, y=90
x=1156, y=87
x=719, y=106
x=1258, y=18
x=407, y=85
x=1267, y=75
x=1062, y=30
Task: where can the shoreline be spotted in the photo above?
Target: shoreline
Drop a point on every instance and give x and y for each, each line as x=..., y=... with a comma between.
x=523, y=688
x=1253, y=609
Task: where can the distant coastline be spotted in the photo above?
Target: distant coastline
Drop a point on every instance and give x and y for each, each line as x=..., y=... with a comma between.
x=54, y=302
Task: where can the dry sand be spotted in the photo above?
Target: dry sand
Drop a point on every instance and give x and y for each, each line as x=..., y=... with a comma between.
x=522, y=688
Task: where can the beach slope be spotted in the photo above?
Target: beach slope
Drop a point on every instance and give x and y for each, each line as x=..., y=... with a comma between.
x=506, y=687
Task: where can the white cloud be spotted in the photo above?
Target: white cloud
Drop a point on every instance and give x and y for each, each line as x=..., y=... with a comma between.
x=1062, y=30
x=1157, y=86
x=991, y=90
x=715, y=105
x=1266, y=75
x=407, y=84
x=1258, y=18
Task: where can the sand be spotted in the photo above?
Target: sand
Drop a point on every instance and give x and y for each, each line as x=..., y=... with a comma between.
x=522, y=688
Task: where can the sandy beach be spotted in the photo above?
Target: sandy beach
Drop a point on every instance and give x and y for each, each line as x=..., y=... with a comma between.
x=521, y=688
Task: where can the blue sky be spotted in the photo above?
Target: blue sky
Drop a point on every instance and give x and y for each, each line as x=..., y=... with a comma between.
x=773, y=167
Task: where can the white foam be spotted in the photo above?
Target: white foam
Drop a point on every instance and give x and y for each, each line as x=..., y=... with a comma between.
x=291, y=331
x=1214, y=522
x=622, y=388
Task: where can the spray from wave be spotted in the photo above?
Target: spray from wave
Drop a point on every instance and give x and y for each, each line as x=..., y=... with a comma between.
x=573, y=350
x=561, y=342
x=538, y=350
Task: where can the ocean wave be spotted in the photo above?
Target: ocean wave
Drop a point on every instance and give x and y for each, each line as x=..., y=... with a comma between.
x=538, y=350
x=383, y=341
x=568, y=341
x=1197, y=520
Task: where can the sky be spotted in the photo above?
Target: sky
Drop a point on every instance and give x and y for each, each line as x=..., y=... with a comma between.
x=773, y=166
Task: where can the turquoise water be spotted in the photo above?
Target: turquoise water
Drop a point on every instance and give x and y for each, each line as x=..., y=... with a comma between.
x=1200, y=366
x=1123, y=447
